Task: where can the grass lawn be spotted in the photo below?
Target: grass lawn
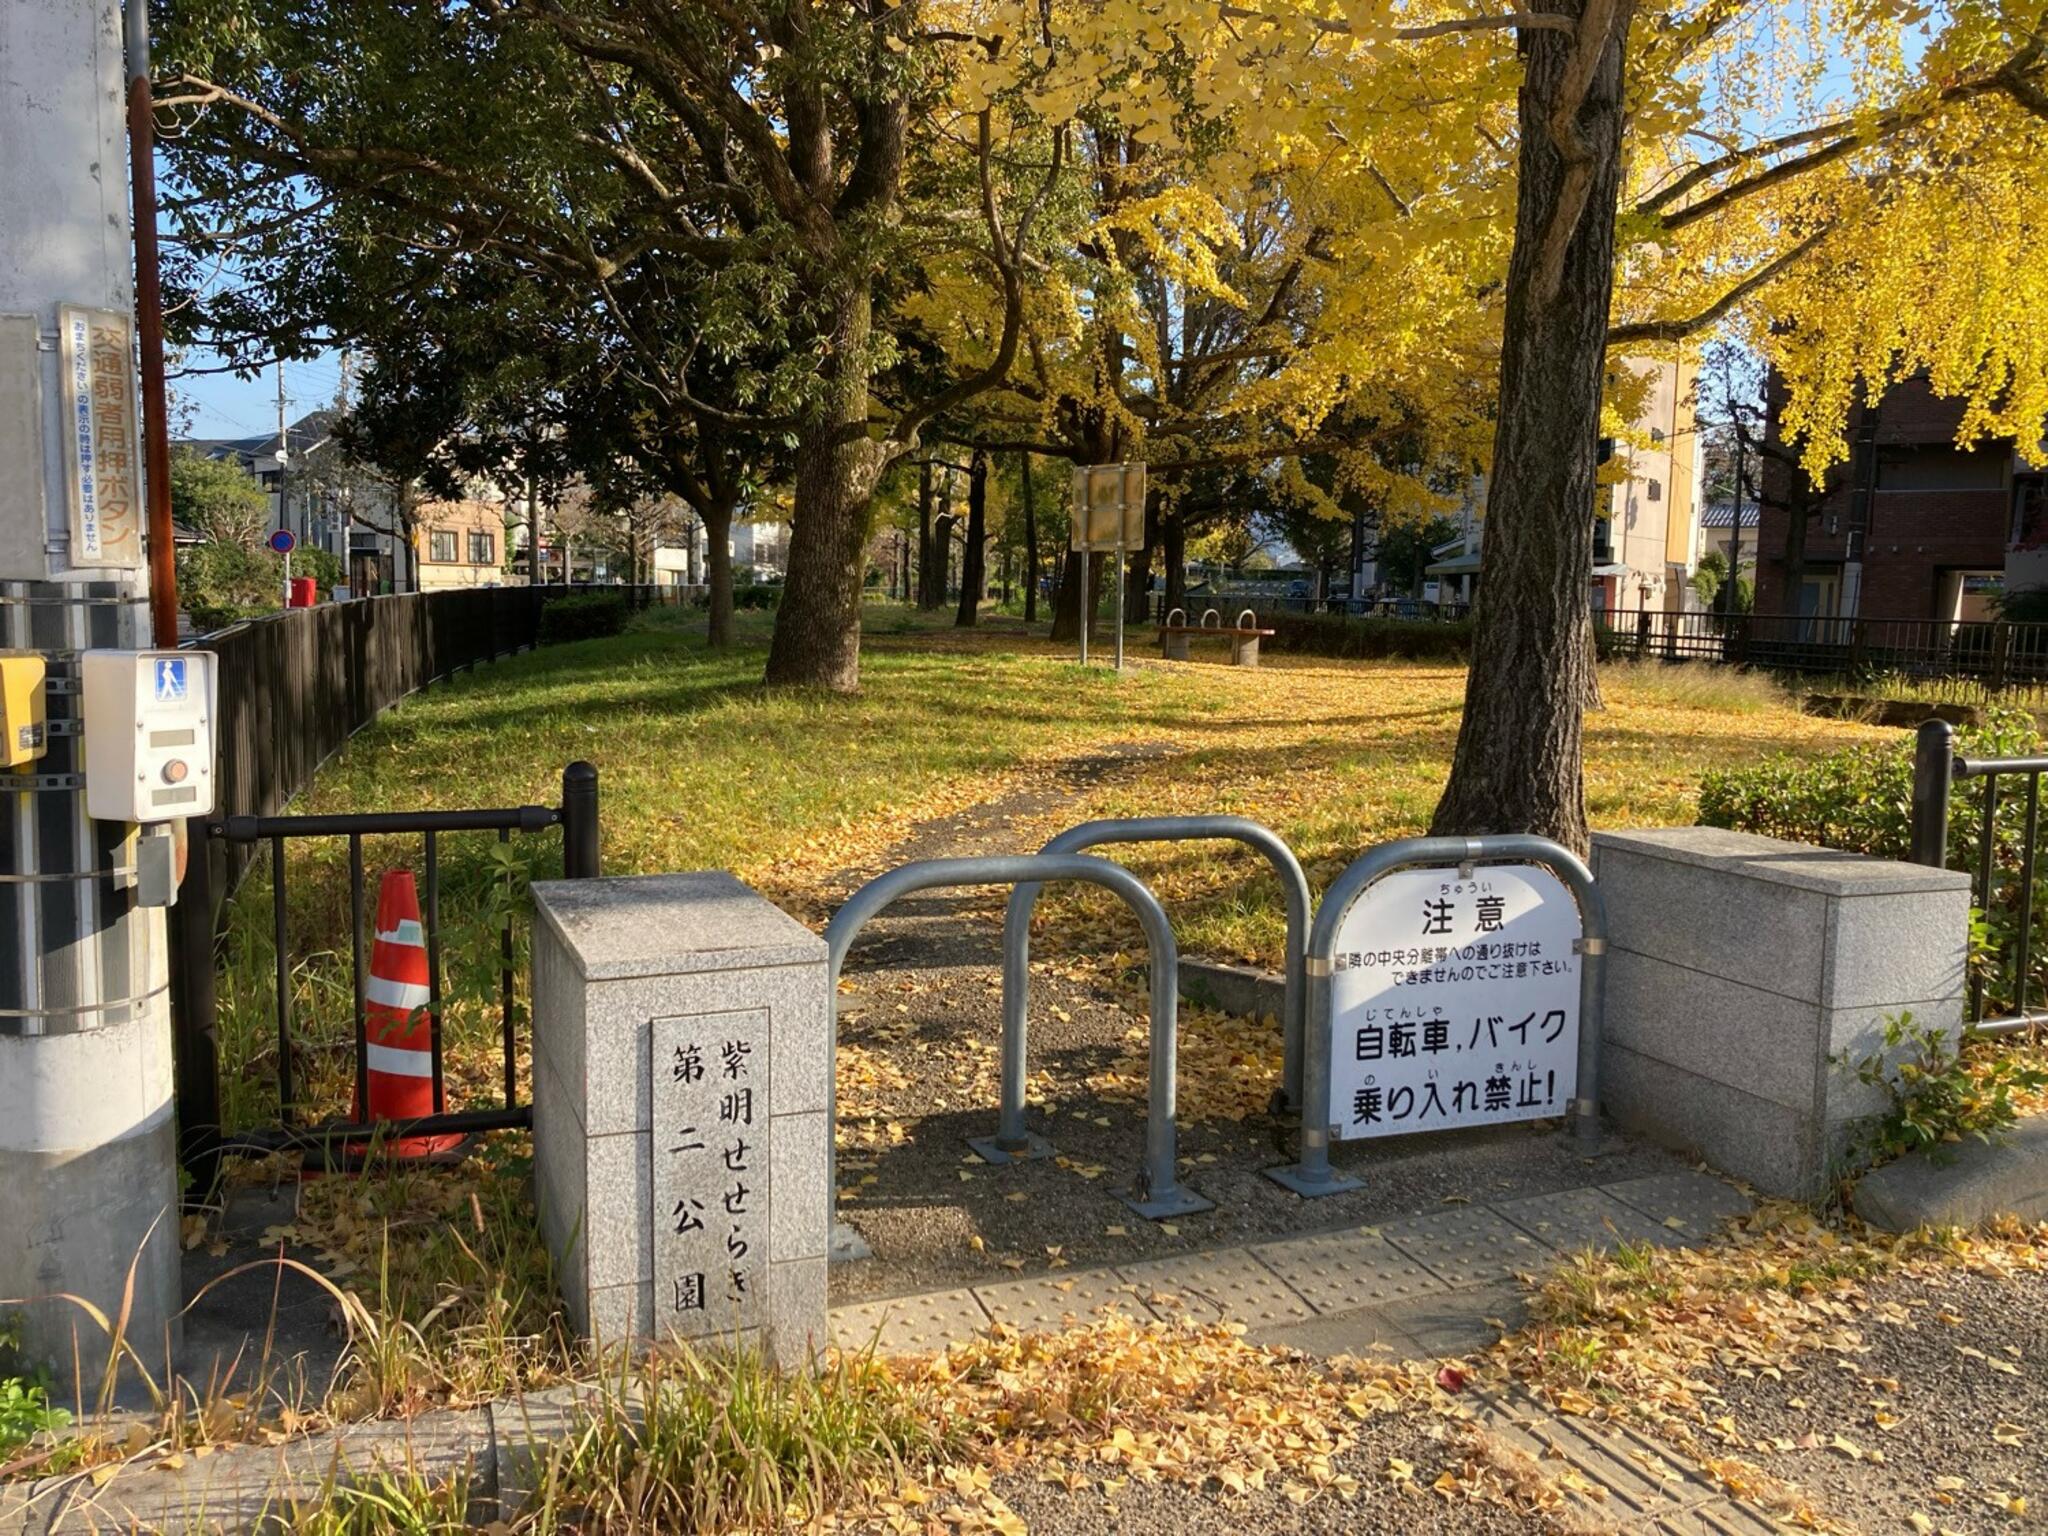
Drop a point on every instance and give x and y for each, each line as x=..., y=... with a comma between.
x=701, y=768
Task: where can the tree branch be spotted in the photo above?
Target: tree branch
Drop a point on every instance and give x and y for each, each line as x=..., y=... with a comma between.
x=1677, y=330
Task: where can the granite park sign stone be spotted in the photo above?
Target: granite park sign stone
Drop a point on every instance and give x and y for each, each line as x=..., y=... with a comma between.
x=681, y=1125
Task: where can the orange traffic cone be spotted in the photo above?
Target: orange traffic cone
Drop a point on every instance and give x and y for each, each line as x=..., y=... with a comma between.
x=399, y=1029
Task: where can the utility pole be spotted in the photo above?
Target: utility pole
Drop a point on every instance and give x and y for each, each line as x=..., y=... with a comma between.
x=88, y=1182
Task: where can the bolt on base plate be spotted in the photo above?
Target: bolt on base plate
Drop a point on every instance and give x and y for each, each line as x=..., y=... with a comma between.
x=991, y=1150
x=1181, y=1201
x=1329, y=1183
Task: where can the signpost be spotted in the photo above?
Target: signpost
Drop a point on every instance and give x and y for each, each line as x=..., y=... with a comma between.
x=284, y=541
x=1444, y=991
x=1108, y=517
x=1454, y=1001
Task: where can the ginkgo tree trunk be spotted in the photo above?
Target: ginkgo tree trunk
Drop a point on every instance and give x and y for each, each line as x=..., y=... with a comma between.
x=1518, y=765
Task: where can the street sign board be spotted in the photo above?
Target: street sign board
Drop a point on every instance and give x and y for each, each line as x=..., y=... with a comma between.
x=1454, y=1001
x=102, y=437
x=1108, y=509
x=284, y=541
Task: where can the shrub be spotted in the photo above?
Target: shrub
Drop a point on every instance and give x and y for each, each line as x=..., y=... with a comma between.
x=1861, y=801
x=25, y=1410
x=1941, y=1090
x=583, y=616
x=221, y=583
x=1368, y=639
x=757, y=594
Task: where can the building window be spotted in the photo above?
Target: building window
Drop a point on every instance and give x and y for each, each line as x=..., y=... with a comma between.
x=1656, y=490
x=441, y=545
x=1656, y=435
x=483, y=549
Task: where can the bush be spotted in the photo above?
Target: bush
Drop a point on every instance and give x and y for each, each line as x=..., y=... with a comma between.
x=1941, y=1090
x=1368, y=639
x=583, y=616
x=222, y=583
x=759, y=594
x=25, y=1410
x=1861, y=801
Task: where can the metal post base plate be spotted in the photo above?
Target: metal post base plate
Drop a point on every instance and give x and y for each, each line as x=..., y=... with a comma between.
x=847, y=1245
x=1331, y=1182
x=991, y=1150
x=1181, y=1202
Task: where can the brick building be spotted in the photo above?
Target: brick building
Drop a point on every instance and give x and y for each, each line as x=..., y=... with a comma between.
x=1910, y=527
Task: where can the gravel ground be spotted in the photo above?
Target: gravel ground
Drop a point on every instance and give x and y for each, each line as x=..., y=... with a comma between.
x=1948, y=1405
x=1427, y=1444
x=924, y=1000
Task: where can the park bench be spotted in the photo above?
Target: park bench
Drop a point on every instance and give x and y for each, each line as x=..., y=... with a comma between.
x=1244, y=636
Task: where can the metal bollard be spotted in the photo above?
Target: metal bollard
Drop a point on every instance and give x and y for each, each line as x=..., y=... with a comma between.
x=1157, y=1192
x=1312, y=1174
x=1011, y=1140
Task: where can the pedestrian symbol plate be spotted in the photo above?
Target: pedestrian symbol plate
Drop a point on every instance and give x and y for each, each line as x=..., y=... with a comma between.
x=170, y=680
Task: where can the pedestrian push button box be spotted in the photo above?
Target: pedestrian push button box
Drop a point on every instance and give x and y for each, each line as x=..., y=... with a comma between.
x=22, y=729
x=148, y=734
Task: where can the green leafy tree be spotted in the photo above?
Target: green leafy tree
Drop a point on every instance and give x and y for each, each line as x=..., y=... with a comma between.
x=730, y=184
x=217, y=499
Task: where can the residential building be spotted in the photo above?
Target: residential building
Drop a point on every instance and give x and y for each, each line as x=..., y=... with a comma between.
x=759, y=548
x=326, y=502
x=459, y=544
x=1911, y=526
x=1717, y=532
x=1647, y=537
x=1647, y=543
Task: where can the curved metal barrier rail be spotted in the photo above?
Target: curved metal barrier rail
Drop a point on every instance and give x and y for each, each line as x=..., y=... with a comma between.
x=1313, y=1175
x=1011, y=1140
x=1156, y=1193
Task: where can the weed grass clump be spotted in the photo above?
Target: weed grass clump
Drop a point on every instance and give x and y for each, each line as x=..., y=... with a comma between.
x=714, y=1441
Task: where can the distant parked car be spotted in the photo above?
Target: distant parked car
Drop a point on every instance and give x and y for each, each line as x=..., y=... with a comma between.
x=1297, y=589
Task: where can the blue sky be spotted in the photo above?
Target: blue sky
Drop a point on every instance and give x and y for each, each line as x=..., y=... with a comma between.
x=225, y=406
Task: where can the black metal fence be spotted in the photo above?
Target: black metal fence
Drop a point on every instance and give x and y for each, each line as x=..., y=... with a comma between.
x=1999, y=842
x=204, y=1141
x=1997, y=654
x=293, y=688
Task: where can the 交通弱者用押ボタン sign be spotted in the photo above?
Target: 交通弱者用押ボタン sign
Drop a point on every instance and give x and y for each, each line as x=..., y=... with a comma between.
x=102, y=437
x=1454, y=1001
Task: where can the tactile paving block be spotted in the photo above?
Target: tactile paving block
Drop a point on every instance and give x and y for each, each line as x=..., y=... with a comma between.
x=909, y=1324
x=1208, y=1287
x=1052, y=1301
x=1645, y=1487
x=1574, y=1220
x=1343, y=1270
x=1466, y=1247
x=1698, y=1201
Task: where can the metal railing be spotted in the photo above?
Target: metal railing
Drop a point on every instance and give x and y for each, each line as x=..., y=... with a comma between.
x=203, y=1138
x=1012, y=1140
x=1157, y=1192
x=1936, y=770
x=1997, y=654
x=1311, y=1174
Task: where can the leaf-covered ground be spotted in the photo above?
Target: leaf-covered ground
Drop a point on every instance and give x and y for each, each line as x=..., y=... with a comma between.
x=1162, y=1428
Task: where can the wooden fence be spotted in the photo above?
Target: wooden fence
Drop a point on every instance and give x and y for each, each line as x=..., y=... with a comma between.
x=295, y=686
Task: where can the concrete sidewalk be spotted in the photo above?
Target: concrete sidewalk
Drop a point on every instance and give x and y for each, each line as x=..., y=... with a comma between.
x=1441, y=1282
